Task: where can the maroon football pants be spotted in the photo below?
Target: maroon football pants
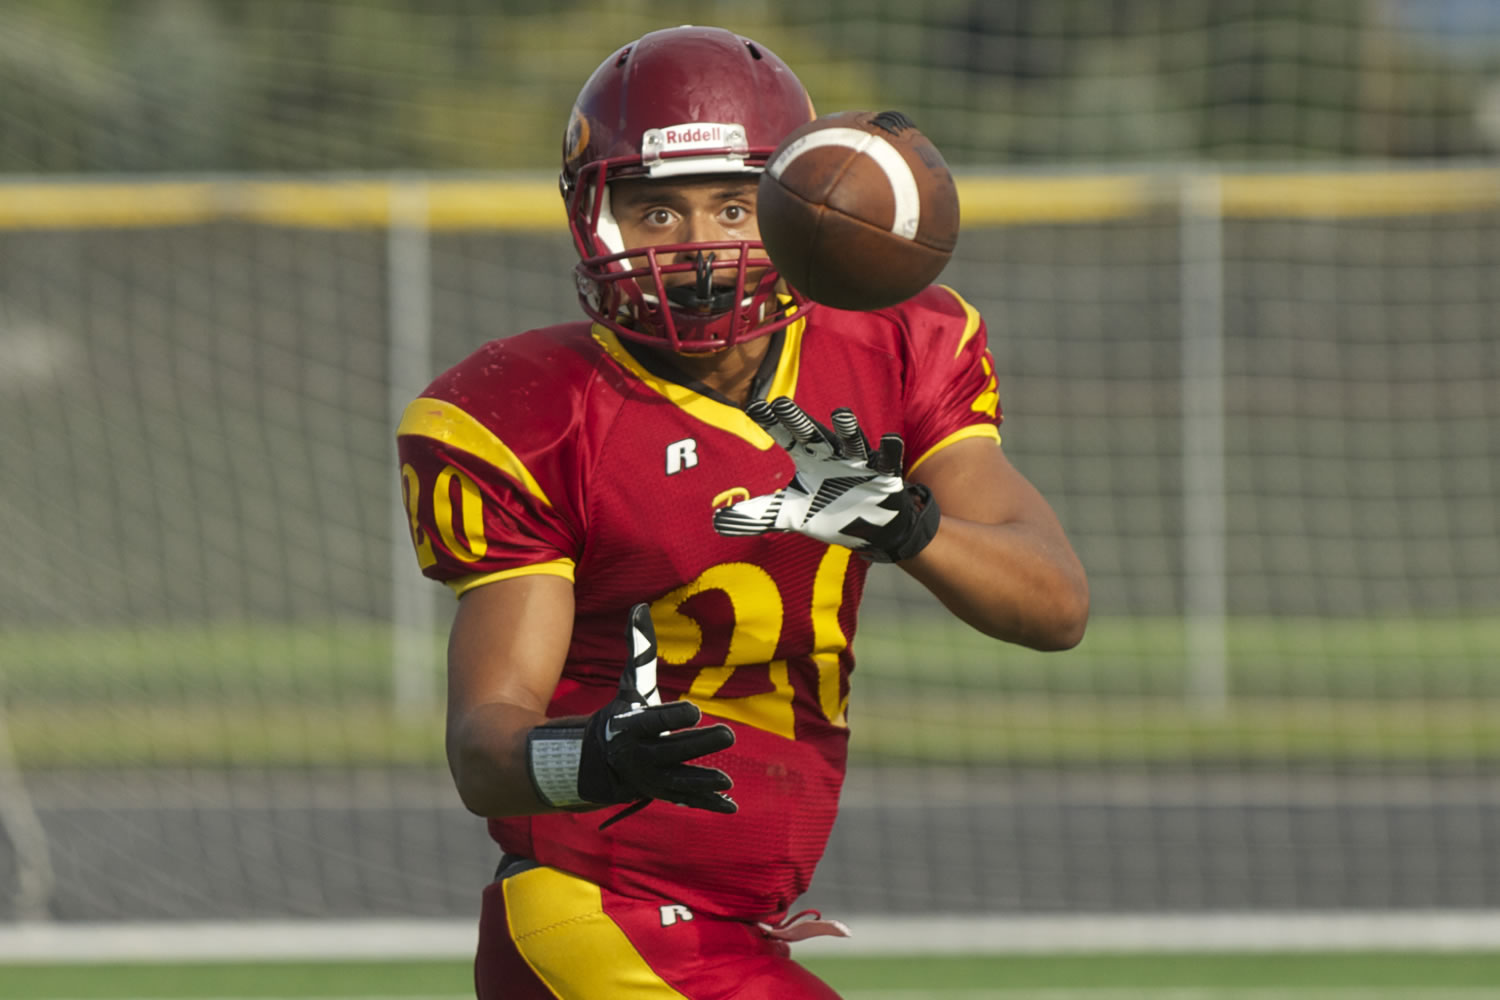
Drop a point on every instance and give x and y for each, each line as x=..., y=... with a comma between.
x=545, y=935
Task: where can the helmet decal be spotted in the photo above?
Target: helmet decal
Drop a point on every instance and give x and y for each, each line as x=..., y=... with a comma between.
x=576, y=139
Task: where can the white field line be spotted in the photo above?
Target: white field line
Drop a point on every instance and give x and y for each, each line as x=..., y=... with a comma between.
x=226, y=941
x=313, y=940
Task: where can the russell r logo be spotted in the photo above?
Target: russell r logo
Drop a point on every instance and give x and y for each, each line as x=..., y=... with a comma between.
x=673, y=913
x=681, y=455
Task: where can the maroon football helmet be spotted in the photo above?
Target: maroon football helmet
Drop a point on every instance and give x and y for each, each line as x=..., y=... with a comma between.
x=679, y=102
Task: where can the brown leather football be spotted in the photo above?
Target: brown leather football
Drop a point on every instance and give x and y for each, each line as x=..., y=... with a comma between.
x=857, y=210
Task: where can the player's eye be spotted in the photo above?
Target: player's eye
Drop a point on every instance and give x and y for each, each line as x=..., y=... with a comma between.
x=659, y=217
x=735, y=213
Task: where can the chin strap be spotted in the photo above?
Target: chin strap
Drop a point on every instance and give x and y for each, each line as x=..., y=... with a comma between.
x=700, y=298
x=705, y=274
x=807, y=924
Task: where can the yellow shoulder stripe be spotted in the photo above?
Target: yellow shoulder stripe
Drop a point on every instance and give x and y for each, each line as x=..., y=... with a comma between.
x=972, y=431
x=553, y=567
x=971, y=320
x=442, y=421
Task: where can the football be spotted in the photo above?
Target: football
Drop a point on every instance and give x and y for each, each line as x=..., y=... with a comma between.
x=857, y=210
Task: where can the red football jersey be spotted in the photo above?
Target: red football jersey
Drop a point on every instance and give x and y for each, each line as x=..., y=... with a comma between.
x=563, y=451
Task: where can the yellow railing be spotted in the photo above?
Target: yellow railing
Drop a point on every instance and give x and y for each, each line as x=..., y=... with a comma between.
x=532, y=203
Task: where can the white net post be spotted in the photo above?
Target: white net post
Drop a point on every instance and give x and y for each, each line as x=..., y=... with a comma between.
x=20, y=825
x=413, y=611
x=1205, y=570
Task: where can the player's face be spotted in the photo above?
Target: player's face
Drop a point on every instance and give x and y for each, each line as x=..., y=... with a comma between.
x=687, y=210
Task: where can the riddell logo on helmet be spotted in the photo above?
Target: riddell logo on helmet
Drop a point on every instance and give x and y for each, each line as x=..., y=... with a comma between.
x=693, y=135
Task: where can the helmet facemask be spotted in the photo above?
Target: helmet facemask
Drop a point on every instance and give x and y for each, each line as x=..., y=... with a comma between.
x=735, y=293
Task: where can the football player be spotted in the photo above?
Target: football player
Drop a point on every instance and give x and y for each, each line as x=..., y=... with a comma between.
x=659, y=521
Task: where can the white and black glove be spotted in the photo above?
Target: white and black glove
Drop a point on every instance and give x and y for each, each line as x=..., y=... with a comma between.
x=631, y=750
x=843, y=493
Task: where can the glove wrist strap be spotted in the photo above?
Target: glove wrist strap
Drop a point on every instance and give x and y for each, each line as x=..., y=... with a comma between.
x=920, y=529
x=553, y=756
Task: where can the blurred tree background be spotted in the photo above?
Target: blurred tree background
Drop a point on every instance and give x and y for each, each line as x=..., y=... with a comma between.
x=302, y=85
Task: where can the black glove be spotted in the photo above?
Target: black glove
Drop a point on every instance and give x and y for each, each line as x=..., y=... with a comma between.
x=842, y=492
x=630, y=750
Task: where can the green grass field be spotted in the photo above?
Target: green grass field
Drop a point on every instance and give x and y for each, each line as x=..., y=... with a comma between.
x=1304, y=689
x=1416, y=976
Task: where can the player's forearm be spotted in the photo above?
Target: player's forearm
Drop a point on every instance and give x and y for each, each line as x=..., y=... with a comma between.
x=487, y=757
x=1012, y=581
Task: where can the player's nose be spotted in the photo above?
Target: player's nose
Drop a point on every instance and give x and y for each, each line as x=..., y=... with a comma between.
x=703, y=226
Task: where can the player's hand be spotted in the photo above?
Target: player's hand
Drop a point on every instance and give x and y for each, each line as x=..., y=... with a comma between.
x=843, y=493
x=635, y=748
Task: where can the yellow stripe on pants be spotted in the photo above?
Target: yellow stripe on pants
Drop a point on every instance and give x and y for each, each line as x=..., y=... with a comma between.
x=560, y=928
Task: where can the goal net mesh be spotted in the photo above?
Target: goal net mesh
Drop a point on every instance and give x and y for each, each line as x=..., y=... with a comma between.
x=1238, y=265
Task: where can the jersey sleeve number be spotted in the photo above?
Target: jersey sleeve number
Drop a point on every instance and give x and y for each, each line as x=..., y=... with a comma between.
x=466, y=540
